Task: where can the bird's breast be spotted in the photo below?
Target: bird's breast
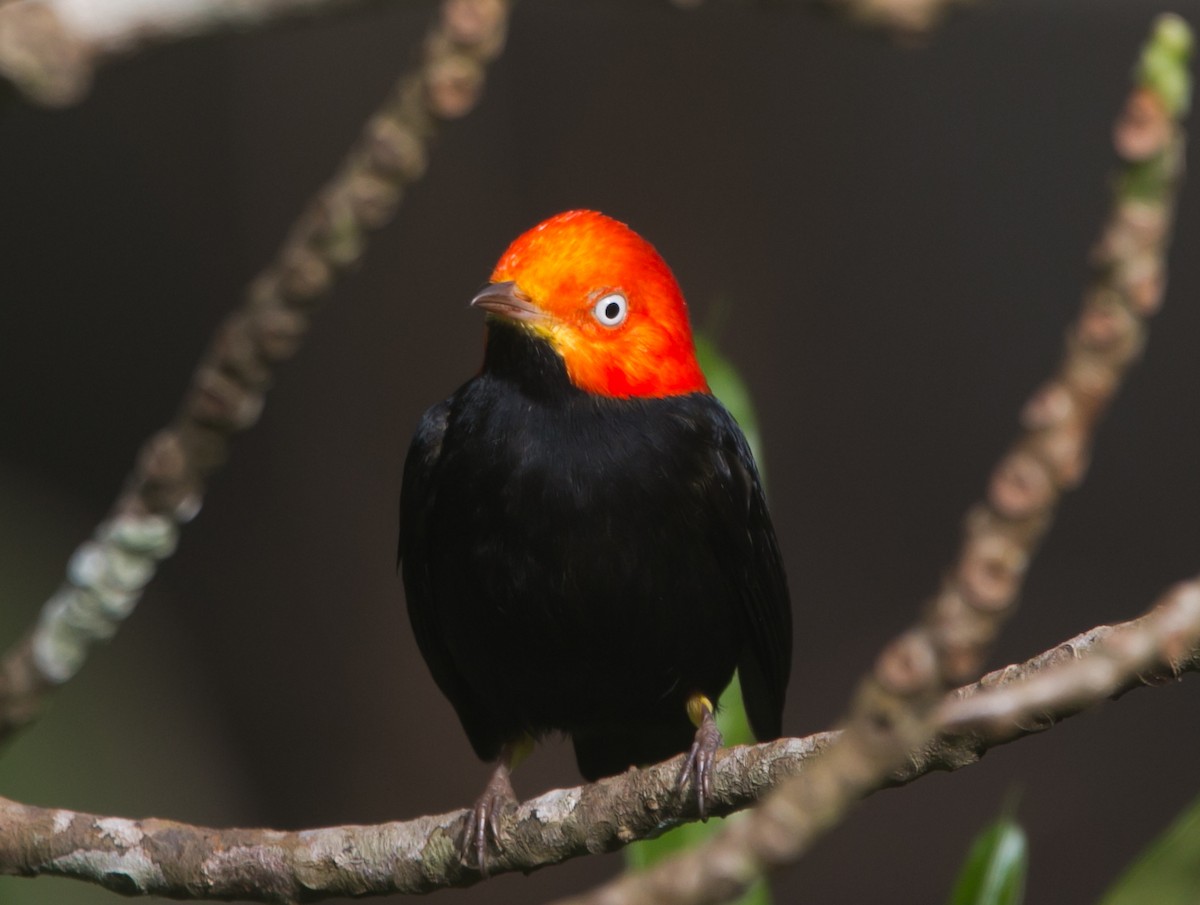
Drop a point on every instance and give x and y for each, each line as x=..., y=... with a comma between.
x=574, y=541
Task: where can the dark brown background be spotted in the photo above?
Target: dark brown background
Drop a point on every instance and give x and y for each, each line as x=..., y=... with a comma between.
x=896, y=238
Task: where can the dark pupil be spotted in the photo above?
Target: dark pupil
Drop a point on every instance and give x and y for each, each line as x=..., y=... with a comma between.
x=612, y=310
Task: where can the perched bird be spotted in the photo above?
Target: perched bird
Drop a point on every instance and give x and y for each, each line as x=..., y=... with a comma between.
x=584, y=540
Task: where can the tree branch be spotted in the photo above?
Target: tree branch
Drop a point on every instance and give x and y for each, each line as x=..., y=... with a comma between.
x=106, y=575
x=1104, y=663
x=161, y=857
x=1028, y=698
x=50, y=49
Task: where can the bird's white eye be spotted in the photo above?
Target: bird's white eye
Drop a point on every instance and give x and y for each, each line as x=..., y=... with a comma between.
x=611, y=309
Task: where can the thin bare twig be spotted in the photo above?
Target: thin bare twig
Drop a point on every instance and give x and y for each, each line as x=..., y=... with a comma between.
x=891, y=715
x=1103, y=663
x=50, y=49
x=159, y=857
x=106, y=575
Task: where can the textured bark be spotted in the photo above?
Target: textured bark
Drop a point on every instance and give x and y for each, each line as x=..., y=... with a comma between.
x=1105, y=662
x=161, y=857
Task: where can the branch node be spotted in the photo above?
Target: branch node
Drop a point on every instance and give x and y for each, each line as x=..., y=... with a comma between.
x=1021, y=486
x=1144, y=126
x=394, y=150
x=908, y=664
x=454, y=82
x=478, y=24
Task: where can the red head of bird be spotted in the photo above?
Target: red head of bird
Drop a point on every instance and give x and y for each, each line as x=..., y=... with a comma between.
x=604, y=300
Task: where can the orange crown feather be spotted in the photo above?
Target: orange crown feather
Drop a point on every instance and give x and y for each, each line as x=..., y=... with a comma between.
x=607, y=303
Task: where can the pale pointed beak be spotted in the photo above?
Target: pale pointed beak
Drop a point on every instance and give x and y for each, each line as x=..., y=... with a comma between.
x=508, y=301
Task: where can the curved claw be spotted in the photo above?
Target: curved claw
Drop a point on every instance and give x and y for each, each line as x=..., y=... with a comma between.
x=484, y=817
x=698, y=765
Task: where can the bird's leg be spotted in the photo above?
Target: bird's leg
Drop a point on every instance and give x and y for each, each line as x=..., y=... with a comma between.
x=698, y=767
x=498, y=796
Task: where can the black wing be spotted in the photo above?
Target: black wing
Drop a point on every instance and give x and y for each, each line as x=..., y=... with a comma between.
x=766, y=659
x=416, y=490
x=418, y=496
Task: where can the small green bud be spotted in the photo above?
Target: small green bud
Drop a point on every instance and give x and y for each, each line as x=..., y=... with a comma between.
x=1163, y=67
x=1174, y=36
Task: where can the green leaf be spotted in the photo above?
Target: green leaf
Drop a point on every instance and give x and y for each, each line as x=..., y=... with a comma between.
x=1168, y=871
x=994, y=873
x=1163, y=67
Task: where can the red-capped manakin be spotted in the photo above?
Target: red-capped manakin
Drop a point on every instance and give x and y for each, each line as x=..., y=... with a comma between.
x=584, y=539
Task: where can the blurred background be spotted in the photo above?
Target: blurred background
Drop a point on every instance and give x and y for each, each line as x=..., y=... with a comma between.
x=888, y=241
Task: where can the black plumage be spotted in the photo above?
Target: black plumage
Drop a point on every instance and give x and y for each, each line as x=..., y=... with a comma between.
x=580, y=563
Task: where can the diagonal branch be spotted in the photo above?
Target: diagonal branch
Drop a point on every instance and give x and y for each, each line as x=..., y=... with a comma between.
x=1104, y=663
x=891, y=715
x=50, y=49
x=160, y=857
x=106, y=575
